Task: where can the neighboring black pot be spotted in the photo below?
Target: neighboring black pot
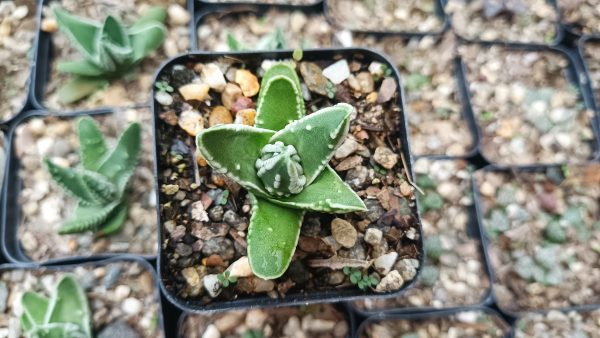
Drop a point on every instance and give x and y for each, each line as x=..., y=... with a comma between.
x=439, y=12
x=474, y=232
x=341, y=307
x=10, y=217
x=432, y=315
x=587, y=84
x=123, y=258
x=560, y=33
x=33, y=61
x=297, y=298
x=486, y=241
x=203, y=9
x=573, y=72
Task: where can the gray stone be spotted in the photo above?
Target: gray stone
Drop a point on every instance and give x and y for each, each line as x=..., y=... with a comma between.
x=373, y=236
x=216, y=213
x=357, y=177
x=119, y=329
x=219, y=246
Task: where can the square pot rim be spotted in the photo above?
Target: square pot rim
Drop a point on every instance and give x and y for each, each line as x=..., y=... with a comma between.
x=18, y=256
x=485, y=240
x=67, y=267
x=326, y=296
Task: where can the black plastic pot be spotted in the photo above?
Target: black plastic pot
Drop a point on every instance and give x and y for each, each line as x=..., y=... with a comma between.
x=205, y=3
x=431, y=315
x=10, y=217
x=591, y=92
x=439, y=11
x=574, y=73
x=203, y=9
x=42, y=74
x=341, y=307
x=560, y=34
x=292, y=298
x=486, y=241
x=27, y=103
x=473, y=231
x=123, y=258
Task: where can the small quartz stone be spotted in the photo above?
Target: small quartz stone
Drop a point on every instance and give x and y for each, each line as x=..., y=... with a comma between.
x=178, y=16
x=240, y=268
x=219, y=115
x=194, y=91
x=385, y=157
x=373, y=236
x=391, y=282
x=384, y=263
x=212, y=285
x=211, y=75
x=248, y=82
x=337, y=72
x=245, y=117
x=191, y=121
x=343, y=232
x=163, y=98
x=387, y=90
x=230, y=95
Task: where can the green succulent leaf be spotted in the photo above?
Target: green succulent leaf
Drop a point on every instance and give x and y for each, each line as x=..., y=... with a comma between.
x=153, y=14
x=71, y=180
x=316, y=136
x=233, y=44
x=328, y=193
x=118, y=165
x=272, y=237
x=80, y=87
x=70, y=305
x=84, y=33
x=34, y=309
x=80, y=67
x=88, y=217
x=232, y=150
x=145, y=38
x=98, y=186
x=91, y=143
x=280, y=100
x=115, y=220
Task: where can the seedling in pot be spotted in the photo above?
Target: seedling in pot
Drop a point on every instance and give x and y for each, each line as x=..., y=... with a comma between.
x=362, y=280
x=226, y=278
x=283, y=162
x=100, y=183
x=65, y=314
x=109, y=49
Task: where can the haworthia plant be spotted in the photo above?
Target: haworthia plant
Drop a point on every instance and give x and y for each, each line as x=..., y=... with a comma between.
x=283, y=162
x=65, y=314
x=109, y=49
x=100, y=183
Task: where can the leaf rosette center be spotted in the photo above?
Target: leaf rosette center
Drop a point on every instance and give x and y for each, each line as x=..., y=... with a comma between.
x=280, y=170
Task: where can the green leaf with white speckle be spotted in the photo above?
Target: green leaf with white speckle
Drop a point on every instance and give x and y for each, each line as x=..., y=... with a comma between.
x=272, y=237
x=328, y=193
x=316, y=136
x=280, y=100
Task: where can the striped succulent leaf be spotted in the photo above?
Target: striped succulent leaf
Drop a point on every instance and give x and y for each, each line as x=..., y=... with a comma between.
x=100, y=183
x=283, y=163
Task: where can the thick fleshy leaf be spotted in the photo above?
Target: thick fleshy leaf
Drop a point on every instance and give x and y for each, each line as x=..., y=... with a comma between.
x=280, y=101
x=118, y=166
x=72, y=182
x=79, y=88
x=113, y=31
x=99, y=186
x=84, y=33
x=272, y=237
x=233, y=44
x=145, y=38
x=232, y=149
x=328, y=193
x=70, y=305
x=34, y=309
x=90, y=217
x=91, y=143
x=115, y=220
x=316, y=136
x=57, y=330
x=81, y=67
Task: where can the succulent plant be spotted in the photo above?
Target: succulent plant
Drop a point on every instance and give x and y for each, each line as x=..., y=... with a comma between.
x=544, y=267
x=283, y=163
x=109, y=49
x=272, y=41
x=100, y=183
x=65, y=314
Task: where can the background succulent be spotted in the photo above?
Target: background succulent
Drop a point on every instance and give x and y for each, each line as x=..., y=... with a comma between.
x=100, y=183
x=283, y=163
x=65, y=314
x=109, y=49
